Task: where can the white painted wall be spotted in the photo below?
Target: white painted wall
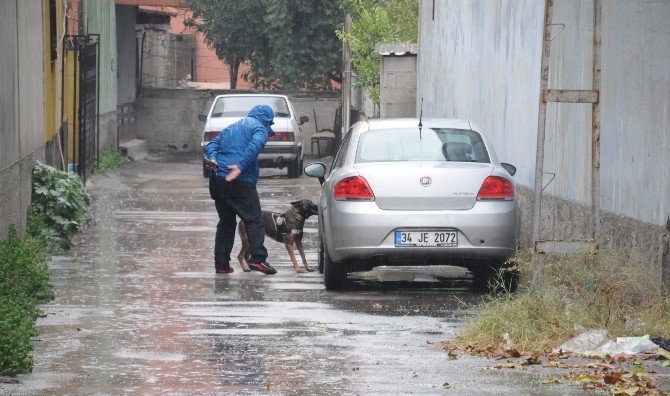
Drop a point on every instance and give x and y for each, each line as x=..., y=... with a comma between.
x=480, y=60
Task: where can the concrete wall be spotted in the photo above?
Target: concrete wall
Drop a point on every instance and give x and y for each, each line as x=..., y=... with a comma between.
x=397, y=88
x=22, y=133
x=168, y=118
x=480, y=60
x=165, y=57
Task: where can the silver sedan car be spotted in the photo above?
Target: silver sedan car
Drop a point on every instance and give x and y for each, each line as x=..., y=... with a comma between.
x=401, y=193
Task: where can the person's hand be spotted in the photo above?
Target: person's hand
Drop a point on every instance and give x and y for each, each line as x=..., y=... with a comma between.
x=234, y=172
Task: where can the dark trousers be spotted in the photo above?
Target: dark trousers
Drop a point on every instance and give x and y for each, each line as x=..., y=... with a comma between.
x=241, y=199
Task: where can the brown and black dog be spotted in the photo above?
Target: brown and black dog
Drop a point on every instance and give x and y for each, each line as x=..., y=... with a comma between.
x=282, y=227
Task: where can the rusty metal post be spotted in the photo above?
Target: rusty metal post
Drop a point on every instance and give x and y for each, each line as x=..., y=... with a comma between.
x=539, y=156
x=595, y=122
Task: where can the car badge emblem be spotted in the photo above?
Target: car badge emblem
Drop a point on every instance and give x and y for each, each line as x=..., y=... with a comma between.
x=425, y=181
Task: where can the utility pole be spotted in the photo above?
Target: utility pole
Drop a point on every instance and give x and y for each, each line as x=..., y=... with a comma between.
x=346, y=81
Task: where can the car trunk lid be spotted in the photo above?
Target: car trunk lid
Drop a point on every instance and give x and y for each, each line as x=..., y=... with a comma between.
x=430, y=185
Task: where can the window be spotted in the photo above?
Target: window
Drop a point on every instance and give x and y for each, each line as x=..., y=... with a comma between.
x=239, y=106
x=428, y=144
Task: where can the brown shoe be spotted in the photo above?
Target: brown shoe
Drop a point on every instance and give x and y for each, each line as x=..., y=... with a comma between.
x=227, y=270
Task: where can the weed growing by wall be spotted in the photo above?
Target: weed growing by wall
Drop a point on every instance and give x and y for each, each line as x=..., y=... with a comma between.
x=590, y=291
x=24, y=283
x=58, y=209
x=110, y=158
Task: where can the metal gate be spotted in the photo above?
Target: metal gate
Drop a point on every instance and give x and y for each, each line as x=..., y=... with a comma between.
x=88, y=107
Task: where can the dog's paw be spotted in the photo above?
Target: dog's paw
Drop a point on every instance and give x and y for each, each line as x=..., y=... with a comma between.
x=309, y=269
x=299, y=270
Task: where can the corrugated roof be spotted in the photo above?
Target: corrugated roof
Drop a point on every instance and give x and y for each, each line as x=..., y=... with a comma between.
x=397, y=49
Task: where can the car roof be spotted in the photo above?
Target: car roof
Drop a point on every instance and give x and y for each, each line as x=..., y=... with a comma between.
x=386, y=123
x=252, y=94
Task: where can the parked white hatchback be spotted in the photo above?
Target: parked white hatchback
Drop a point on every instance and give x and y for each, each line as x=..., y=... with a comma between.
x=283, y=150
x=410, y=192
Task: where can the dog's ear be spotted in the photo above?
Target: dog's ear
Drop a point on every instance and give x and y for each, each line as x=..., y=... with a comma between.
x=296, y=204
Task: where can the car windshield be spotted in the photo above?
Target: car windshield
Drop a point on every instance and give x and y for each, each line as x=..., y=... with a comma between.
x=239, y=106
x=429, y=144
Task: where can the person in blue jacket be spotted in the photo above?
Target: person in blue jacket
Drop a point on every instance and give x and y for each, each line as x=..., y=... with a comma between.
x=233, y=188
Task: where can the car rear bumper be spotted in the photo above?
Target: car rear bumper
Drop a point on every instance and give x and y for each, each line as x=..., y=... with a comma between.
x=360, y=230
x=275, y=156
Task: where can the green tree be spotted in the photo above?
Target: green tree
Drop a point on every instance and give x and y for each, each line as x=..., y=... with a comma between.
x=231, y=28
x=375, y=22
x=289, y=43
x=304, y=51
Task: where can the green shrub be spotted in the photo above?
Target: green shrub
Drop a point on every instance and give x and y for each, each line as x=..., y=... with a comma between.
x=24, y=276
x=110, y=158
x=24, y=283
x=16, y=328
x=58, y=209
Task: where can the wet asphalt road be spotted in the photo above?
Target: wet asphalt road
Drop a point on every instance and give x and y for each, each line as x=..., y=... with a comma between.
x=139, y=310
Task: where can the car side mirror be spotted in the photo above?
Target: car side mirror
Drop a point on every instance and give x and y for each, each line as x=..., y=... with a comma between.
x=316, y=169
x=203, y=117
x=303, y=119
x=511, y=169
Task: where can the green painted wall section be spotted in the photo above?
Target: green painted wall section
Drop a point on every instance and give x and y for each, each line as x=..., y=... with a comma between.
x=101, y=19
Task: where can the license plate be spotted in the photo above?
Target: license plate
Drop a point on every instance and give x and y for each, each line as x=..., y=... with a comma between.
x=426, y=238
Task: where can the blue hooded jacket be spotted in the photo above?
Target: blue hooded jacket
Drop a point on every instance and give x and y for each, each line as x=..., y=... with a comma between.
x=240, y=143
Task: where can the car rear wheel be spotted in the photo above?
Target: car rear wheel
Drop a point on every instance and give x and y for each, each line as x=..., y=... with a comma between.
x=334, y=275
x=294, y=169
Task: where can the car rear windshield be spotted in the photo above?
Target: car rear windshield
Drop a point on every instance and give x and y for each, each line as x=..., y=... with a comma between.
x=429, y=144
x=239, y=106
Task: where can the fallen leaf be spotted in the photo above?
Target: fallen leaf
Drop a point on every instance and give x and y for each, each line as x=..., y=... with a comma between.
x=446, y=385
x=508, y=364
x=613, y=378
x=664, y=353
x=549, y=379
x=452, y=355
x=513, y=353
x=632, y=390
x=585, y=378
x=666, y=363
x=531, y=360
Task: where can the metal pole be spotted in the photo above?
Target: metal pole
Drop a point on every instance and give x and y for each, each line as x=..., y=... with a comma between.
x=595, y=122
x=346, y=81
x=541, y=123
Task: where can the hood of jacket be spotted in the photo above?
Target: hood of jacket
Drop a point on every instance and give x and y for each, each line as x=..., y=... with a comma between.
x=265, y=115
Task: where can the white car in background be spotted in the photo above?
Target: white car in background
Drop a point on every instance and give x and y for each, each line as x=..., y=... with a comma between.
x=283, y=150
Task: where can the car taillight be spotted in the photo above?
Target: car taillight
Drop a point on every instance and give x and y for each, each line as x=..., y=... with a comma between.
x=353, y=188
x=209, y=136
x=282, y=137
x=495, y=187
